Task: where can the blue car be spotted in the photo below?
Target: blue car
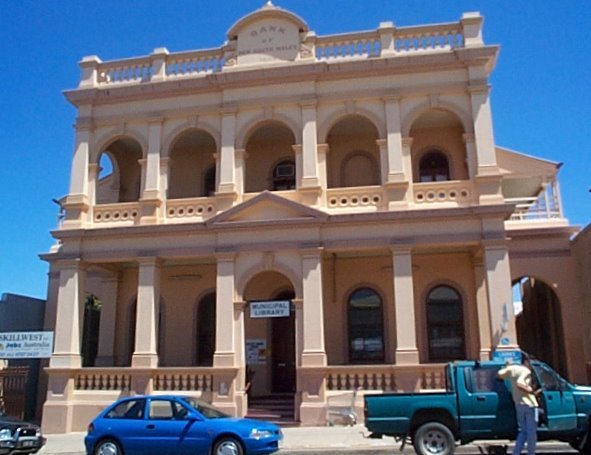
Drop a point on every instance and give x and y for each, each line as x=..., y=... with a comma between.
x=176, y=425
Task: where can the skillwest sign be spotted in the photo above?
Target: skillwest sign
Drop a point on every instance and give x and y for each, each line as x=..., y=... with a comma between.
x=26, y=345
x=270, y=309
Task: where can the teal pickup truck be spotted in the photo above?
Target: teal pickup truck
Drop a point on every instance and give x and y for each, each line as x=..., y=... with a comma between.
x=478, y=406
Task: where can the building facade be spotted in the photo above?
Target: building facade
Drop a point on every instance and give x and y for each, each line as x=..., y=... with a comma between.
x=299, y=215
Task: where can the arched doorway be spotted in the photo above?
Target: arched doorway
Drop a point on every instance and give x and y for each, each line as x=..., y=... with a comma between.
x=270, y=335
x=538, y=321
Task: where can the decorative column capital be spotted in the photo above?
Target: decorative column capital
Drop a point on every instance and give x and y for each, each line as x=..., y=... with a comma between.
x=407, y=142
x=323, y=148
x=297, y=148
x=468, y=138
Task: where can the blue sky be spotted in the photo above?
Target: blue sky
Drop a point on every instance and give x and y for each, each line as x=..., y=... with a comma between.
x=541, y=97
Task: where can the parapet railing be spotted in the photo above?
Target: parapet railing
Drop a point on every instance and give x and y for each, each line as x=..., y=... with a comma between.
x=386, y=41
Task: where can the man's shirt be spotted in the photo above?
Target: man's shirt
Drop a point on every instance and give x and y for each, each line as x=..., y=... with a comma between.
x=519, y=375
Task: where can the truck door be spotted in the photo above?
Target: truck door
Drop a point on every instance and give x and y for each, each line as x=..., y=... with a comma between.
x=485, y=405
x=557, y=400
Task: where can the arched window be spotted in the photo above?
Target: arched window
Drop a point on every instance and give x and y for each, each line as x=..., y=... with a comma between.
x=284, y=176
x=434, y=167
x=366, y=327
x=445, y=324
x=206, y=330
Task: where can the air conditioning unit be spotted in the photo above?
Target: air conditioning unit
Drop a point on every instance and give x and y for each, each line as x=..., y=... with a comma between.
x=285, y=170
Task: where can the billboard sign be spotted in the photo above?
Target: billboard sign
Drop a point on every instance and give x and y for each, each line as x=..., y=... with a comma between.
x=26, y=345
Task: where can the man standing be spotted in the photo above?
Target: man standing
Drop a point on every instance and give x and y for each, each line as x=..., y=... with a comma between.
x=525, y=401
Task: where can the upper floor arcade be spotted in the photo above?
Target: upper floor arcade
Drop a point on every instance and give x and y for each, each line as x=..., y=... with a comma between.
x=390, y=119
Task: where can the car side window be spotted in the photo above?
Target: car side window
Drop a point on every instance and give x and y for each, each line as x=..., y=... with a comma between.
x=161, y=410
x=548, y=379
x=481, y=380
x=130, y=409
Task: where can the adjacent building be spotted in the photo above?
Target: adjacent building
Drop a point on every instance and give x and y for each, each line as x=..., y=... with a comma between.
x=297, y=215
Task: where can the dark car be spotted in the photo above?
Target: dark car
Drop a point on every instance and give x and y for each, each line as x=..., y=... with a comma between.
x=176, y=425
x=19, y=437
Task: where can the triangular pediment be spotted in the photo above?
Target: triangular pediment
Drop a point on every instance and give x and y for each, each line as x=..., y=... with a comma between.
x=267, y=208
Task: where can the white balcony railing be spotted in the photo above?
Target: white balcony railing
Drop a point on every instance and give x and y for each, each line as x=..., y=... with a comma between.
x=546, y=206
x=384, y=41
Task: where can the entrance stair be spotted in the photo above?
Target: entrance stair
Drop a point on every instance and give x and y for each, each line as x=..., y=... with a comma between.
x=276, y=408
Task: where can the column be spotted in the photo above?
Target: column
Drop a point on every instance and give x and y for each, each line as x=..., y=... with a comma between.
x=310, y=379
x=471, y=158
x=151, y=199
x=240, y=157
x=404, y=302
x=488, y=177
x=225, y=331
x=314, y=353
x=407, y=166
x=106, y=345
x=482, y=308
x=77, y=202
x=322, y=150
x=70, y=310
x=500, y=295
x=394, y=176
x=147, y=312
x=227, y=190
x=310, y=188
x=228, y=386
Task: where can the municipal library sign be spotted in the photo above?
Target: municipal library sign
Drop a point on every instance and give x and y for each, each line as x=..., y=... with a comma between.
x=270, y=309
x=26, y=345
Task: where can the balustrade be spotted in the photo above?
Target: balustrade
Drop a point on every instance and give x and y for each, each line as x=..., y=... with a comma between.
x=457, y=191
x=124, y=212
x=200, y=208
x=348, y=46
x=368, y=196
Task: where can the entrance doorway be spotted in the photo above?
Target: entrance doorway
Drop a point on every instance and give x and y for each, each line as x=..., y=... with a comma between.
x=283, y=368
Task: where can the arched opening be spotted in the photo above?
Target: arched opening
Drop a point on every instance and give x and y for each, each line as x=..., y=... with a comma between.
x=206, y=323
x=271, y=159
x=192, y=165
x=438, y=150
x=445, y=325
x=270, y=335
x=538, y=320
x=354, y=156
x=119, y=175
x=90, y=330
x=366, y=326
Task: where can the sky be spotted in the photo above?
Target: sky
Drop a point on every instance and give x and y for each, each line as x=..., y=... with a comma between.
x=541, y=88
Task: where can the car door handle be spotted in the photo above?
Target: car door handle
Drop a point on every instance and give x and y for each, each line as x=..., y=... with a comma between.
x=150, y=426
x=549, y=397
x=480, y=398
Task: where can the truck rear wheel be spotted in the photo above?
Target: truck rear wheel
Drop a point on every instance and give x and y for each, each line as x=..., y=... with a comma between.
x=433, y=438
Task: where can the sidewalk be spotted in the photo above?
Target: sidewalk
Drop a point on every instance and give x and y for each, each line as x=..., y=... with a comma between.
x=312, y=439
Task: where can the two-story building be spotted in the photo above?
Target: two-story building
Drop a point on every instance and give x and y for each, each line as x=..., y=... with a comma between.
x=294, y=216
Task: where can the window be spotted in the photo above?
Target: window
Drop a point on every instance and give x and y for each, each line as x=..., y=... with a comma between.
x=284, y=176
x=366, y=327
x=445, y=324
x=130, y=409
x=434, y=167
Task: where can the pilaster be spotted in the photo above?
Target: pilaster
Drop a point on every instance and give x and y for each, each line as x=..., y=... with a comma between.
x=148, y=306
x=406, y=336
x=106, y=345
x=482, y=308
x=314, y=353
x=226, y=336
x=70, y=310
x=500, y=295
x=227, y=191
x=151, y=200
x=77, y=202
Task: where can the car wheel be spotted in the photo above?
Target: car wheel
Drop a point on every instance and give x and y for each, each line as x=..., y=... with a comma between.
x=434, y=438
x=108, y=447
x=228, y=446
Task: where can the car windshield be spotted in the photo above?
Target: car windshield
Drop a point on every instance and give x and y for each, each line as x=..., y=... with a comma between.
x=205, y=409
